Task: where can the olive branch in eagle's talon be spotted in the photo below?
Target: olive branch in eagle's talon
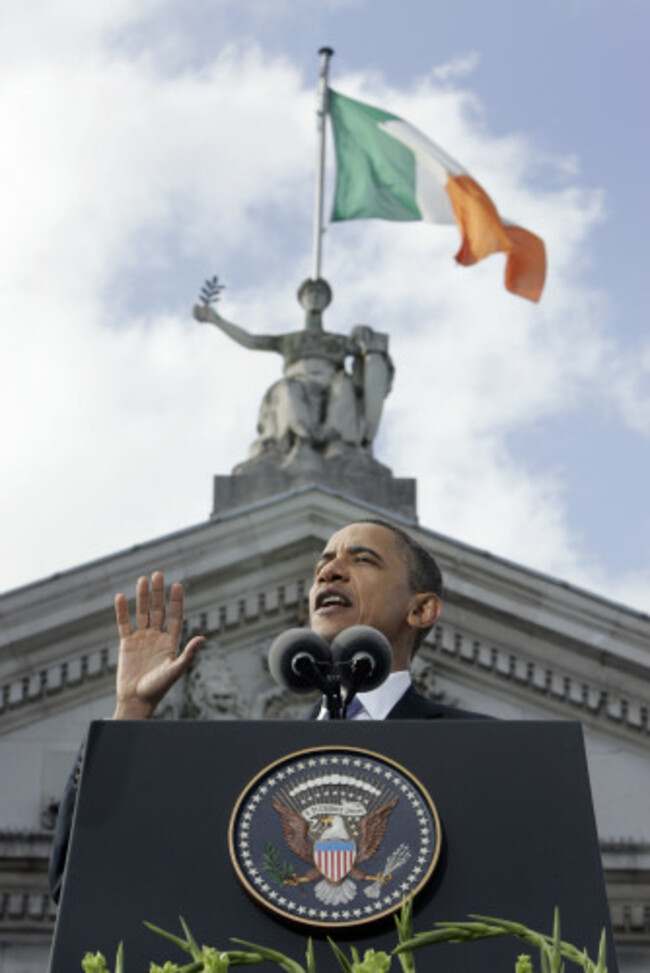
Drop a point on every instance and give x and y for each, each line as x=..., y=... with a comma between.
x=280, y=872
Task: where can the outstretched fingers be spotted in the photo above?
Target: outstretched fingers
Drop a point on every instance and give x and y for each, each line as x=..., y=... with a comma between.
x=181, y=663
x=150, y=612
x=157, y=608
x=142, y=603
x=175, y=624
x=122, y=616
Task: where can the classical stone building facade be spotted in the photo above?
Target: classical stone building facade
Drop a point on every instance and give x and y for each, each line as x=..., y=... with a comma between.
x=511, y=643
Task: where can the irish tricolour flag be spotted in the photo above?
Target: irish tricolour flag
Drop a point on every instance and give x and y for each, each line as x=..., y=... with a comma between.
x=388, y=169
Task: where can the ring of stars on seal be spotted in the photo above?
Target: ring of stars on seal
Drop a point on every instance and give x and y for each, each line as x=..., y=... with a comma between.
x=334, y=836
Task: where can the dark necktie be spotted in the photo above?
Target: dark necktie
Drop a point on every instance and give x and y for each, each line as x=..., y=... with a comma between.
x=355, y=707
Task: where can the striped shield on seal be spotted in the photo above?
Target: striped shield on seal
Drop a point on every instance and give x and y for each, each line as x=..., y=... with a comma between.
x=334, y=859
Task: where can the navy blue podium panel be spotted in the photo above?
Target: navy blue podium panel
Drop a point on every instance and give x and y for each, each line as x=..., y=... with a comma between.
x=150, y=838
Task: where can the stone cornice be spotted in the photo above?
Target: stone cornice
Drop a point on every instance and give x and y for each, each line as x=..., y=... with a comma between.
x=556, y=688
x=27, y=912
x=24, y=844
x=557, y=685
x=503, y=594
x=89, y=675
x=504, y=627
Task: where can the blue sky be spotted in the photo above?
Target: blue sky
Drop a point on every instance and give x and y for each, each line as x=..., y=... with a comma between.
x=149, y=148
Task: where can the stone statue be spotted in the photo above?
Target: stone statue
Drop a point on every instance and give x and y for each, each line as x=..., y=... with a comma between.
x=318, y=409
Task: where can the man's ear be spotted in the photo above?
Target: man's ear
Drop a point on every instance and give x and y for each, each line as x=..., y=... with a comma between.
x=425, y=610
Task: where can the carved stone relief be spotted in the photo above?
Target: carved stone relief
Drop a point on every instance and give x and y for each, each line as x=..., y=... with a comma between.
x=211, y=690
x=423, y=674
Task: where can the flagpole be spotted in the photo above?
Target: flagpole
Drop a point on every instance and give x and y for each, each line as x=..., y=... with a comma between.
x=321, y=113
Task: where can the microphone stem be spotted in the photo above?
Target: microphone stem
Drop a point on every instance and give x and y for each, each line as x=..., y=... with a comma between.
x=333, y=697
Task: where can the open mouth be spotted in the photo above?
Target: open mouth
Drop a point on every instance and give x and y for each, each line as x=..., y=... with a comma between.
x=331, y=598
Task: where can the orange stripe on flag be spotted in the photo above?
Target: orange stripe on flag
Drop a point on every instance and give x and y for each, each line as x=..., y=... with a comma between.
x=526, y=264
x=483, y=233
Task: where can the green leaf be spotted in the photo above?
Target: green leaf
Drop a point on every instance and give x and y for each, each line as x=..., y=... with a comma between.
x=404, y=923
x=552, y=949
x=514, y=928
x=194, y=946
x=285, y=962
x=181, y=943
x=543, y=962
x=555, y=946
x=601, y=965
x=239, y=958
x=449, y=932
x=341, y=957
x=119, y=959
x=310, y=959
x=407, y=962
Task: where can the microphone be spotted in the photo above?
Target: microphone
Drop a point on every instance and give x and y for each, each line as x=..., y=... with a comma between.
x=359, y=659
x=301, y=660
x=363, y=657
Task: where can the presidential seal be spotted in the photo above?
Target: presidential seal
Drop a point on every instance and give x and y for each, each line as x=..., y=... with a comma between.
x=334, y=836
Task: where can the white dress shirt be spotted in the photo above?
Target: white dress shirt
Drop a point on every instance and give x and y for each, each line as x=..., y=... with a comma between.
x=378, y=703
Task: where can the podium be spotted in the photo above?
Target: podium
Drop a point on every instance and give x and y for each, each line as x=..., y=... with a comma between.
x=150, y=838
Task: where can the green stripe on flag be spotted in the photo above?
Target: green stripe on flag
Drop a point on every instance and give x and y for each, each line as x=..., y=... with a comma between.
x=375, y=174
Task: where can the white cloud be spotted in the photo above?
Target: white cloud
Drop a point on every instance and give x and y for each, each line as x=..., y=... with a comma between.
x=38, y=30
x=281, y=9
x=459, y=67
x=101, y=153
x=119, y=418
x=629, y=379
x=631, y=588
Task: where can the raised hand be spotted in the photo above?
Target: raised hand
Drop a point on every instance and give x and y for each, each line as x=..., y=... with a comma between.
x=148, y=663
x=205, y=314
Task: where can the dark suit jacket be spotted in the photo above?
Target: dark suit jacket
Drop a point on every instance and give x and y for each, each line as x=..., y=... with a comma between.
x=59, y=852
x=414, y=706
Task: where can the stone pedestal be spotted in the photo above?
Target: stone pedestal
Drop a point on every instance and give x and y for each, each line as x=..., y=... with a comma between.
x=357, y=475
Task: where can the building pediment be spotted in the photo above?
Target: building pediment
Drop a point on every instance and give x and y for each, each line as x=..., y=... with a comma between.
x=246, y=574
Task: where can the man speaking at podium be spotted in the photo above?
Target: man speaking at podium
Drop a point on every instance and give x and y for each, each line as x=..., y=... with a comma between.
x=373, y=573
x=370, y=573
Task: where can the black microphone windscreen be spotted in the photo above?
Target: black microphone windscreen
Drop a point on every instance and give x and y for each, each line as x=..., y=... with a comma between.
x=294, y=655
x=367, y=649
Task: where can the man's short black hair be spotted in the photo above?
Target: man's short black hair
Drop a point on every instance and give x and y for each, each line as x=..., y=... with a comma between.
x=423, y=571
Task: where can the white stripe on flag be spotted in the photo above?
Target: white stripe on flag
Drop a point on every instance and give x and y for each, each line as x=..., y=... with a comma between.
x=432, y=169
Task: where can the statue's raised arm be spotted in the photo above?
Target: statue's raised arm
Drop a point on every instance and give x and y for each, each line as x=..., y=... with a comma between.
x=317, y=422
x=319, y=411
x=257, y=342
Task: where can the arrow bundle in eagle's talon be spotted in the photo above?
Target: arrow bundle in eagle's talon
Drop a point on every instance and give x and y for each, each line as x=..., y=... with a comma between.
x=394, y=861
